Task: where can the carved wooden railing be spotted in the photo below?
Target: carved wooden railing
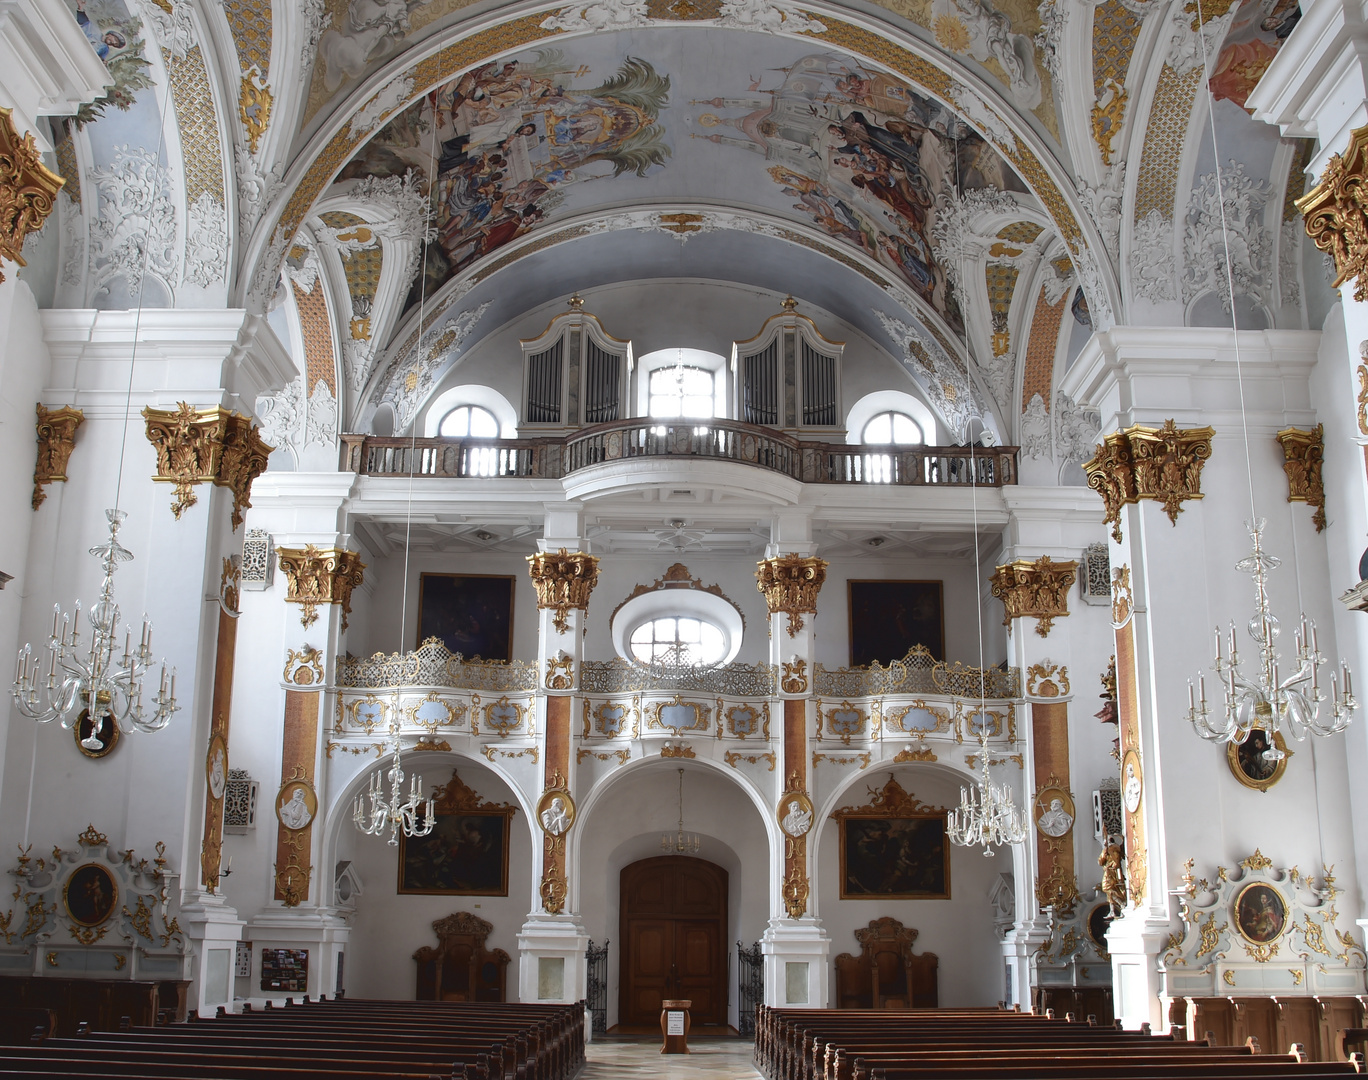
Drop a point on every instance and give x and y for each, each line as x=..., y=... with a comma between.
x=719, y=440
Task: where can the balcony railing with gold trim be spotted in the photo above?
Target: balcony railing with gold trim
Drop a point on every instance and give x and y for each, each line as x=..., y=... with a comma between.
x=718, y=440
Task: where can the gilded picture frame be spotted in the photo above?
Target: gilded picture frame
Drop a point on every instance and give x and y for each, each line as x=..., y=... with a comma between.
x=108, y=736
x=90, y=895
x=894, y=848
x=1249, y=768
x=467, y=852
x=1259, y=913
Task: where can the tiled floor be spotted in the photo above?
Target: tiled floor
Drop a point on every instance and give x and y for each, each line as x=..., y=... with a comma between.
x=709, y=1059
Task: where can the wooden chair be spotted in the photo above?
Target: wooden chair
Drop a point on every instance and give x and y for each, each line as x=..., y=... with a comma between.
x=886, y=974
x=460, y=968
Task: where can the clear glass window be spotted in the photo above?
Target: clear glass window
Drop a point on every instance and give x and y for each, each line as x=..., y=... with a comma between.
x=470, y=421
x=682, y=390
x=893, y=427
x=677, y=641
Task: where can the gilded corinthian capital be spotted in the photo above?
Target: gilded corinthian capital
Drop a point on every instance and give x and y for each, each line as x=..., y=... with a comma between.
x=27, y=188
x=1336, y=213
x=563, y=580
x=1163, y=464
x=791, y=584
x=320, y=576
x=1038, y=589
x=214, y=444
x=56, y=440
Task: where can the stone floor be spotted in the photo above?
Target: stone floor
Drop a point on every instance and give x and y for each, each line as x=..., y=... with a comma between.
x=709, y=1059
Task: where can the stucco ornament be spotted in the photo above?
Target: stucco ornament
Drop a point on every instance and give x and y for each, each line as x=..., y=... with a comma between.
x=1207, y=232
x=410, y=376
x=599, y=15
x=386, y=100
x=1103, y=203
x=1035, y=429
x=173, y=29
x=280, y=415
x=315, y=18
x=976, y=28
x=255, y=188
x=135, y=225
x=1289, y=262
x=946, y=383
x=1186, y=51
x=1151, y=258
x=769, y=15
x=957, y=231
x=1076, y=429
x=1090, y=277
x=206, y=242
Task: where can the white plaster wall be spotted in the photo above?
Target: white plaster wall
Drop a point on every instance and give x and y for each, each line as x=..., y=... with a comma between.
x=638, y=806
x=388, y=928
x=958, y=930
x=668, y=314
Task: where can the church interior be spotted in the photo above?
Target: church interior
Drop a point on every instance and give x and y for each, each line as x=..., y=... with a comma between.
x=807, y=508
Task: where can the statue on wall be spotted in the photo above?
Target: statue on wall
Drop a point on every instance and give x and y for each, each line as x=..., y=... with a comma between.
x=1113, y=877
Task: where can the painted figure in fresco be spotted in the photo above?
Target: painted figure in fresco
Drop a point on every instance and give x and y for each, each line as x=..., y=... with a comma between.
x=864, y=157
x=101, y=43
x=511, y=138
x=371, y=30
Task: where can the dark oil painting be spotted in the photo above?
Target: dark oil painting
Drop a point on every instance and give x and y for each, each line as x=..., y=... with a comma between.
x=464, y=855
x=887, y=618
x=894, y=858
x=471, y=614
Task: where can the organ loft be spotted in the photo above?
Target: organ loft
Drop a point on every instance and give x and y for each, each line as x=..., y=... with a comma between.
x=820, y=532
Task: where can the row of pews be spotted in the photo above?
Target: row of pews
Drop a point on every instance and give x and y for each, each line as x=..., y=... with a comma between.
x=343, y=1039
x=993, y=1044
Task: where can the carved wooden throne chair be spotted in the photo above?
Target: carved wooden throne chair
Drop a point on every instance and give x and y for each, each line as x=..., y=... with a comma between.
x=886, y=974
x=460, y=968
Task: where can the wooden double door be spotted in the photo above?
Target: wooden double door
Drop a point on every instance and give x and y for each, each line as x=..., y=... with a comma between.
x=674, y=922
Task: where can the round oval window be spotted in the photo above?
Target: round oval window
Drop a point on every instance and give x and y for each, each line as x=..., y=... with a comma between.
x=678, y=640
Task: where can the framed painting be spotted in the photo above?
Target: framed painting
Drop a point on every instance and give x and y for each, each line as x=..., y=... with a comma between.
x=1251, y=766
x=895, y=848
x=466, y=854
x=1260, y=913
x=90, y=895
x=471, y=614
x=888, y=618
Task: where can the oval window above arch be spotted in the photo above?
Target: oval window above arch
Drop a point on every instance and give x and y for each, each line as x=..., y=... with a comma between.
x=678, y=621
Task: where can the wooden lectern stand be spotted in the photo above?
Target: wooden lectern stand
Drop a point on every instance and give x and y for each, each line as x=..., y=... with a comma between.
x=674, y=1025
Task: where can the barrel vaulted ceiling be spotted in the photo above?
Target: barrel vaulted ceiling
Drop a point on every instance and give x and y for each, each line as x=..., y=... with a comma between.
x=972, y=183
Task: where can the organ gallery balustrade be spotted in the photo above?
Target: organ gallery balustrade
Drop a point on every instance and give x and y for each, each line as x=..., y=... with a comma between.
x=915, y=709
x=719, y=440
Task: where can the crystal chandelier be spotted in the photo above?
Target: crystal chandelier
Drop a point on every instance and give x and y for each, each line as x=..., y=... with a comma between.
x=92, y=682
x=396, y=813
x=681, y=843
x=1268, y=702
x=987, y=814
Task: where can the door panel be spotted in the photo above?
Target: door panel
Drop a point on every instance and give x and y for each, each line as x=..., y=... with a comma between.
x=673, y=916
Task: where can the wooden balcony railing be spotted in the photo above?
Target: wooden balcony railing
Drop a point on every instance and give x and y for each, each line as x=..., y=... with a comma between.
x=718, y=440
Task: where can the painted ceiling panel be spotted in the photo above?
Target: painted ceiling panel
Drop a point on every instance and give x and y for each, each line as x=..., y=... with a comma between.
x=646, y=117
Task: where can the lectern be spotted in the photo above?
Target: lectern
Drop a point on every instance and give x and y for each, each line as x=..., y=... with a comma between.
x=674, y=1025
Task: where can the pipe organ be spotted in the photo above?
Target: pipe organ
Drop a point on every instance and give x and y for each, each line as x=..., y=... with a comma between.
x=788, y=375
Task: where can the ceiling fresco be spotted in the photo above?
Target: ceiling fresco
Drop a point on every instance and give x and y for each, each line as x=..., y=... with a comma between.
x=1255, y=36
x=622, y=118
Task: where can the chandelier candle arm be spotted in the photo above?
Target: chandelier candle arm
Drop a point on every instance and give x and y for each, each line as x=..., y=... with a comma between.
x=1266, y=701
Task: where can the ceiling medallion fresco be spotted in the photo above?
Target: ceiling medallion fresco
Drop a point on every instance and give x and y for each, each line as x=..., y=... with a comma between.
x=811, y=136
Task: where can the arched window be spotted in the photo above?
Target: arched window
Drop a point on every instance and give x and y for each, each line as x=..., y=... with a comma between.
x=469, y=421
x=678, y=640
x=893, y=427
x=682, y=391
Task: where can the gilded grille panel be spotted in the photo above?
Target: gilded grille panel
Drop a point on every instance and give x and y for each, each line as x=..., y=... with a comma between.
x=1038, y=376
x=1168, y=123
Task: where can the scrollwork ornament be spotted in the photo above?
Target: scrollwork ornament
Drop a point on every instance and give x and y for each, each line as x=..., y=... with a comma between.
x=1336, y=213
x=27, y=189
x=563, y=580
x=56, y=439
x=317, y=576
x=1303, y=455
x=1123, y=604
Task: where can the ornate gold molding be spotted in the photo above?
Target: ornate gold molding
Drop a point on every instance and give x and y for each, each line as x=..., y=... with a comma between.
x=1038, y=589
x=1046, y=680
x=1336, y=213
x=56, y=440
x=27, y=189
x=563, y=580
x=319, y=576
x=553, y=884
x=791, y=584
x=254, y=107
x=214, y=444
x=1164, y=464
x=1303, y=454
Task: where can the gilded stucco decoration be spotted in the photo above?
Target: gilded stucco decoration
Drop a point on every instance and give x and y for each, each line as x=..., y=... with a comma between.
x=1047, y=680
x=56, y=440
x=27, y=189
x=1304, y=454
x=563, y=580
x=1336, y=213
x=304, y=667
x=1164, y=464
x=212, y=444
x=790, y=584
x=556, y=815
x=1038, y=589
x=320, y=576
x=677, y=576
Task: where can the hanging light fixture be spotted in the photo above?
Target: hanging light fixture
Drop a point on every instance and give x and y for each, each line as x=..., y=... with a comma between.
x=397, y=812
x=94, y=684
x=681, y=843
x=987, y=813
x=94, y=687
x=1266, y=702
